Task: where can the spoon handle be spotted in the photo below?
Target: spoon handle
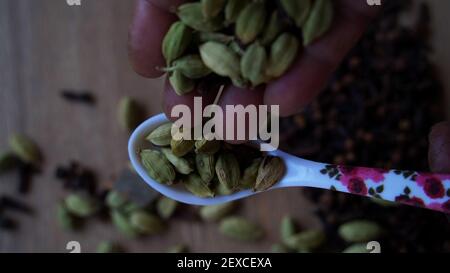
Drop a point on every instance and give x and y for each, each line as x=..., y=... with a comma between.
x=427, y=190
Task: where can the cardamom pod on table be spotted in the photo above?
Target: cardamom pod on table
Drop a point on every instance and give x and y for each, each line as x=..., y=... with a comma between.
x=359, y=231
x=25, y=149
x=240, y=229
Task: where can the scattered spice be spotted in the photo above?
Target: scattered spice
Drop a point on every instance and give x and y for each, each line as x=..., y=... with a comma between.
x=78, y=96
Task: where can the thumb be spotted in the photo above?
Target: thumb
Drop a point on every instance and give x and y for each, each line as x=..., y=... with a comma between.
x=439, y=152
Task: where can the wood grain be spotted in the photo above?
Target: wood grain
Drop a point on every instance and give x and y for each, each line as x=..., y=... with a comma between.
x=48, y=45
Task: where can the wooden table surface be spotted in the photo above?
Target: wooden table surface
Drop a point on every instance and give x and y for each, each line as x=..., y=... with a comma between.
x=48, y=45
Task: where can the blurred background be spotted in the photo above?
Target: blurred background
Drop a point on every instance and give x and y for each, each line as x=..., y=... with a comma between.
x=377, y=111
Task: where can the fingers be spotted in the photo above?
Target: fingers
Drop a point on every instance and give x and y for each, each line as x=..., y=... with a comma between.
x=231, y=96
x=168, y=5
x=171, y=99
x=234, y=96
x=439, y=152
x=311, y=72
x=150, y=24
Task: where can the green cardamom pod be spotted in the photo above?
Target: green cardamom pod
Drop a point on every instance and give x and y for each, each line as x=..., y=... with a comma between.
x=205, y=166
x=176, y=41
x=283, y=53
x=318, y=22
x=179, y=248
x=146, y=223
x=279, y=248
x=221, y=59
x=181, y=165
x=7, y=162
x=166, y=207
x=254, y=64
x=182, y=147
x=181, y=84
x=115, y=200
x=81, y=205
x=288, y=228
x=236, y=48
x=191, y=66
x=248, y=179
x=122, y=223
x=297, y=10
x=195, y=184
x=221, y=189
x=162, y=135
x=306, y=240
x=191, y=14
x=108, y=247
x=250, y=22
x=212, y=8
x=158, y=167
x=130, y=114
x=65, y=219
x=233, y=9
x=240, y=229
x=203, y=37
x=25, y=149
x=207, y=146
x=360, y=231
x=273, y=29
x=357, y=248
x=228, y=171
x=130, y=207
x=216, y=212
x=270, y=172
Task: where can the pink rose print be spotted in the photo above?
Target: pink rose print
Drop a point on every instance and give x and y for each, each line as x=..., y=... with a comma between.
x=376, y=175
x=356, y=185
x=432, y=185
x=412, y=201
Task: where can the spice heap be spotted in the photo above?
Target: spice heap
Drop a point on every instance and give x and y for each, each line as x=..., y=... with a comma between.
x=25, y=157
x=250, y=42
x=377, y=111
x=133, y=208
x=208, y=167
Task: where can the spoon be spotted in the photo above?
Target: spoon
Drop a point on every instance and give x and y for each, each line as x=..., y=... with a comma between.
x=426, y=190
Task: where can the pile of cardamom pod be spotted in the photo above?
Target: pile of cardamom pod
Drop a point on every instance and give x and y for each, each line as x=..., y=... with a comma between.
x=250, y=42
x=208, y=168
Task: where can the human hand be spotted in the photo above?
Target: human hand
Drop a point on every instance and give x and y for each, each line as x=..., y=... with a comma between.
x=439, y=153
x=291, y=92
